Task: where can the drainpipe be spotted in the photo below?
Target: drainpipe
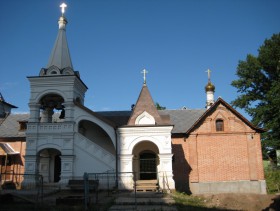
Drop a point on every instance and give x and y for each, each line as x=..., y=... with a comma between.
x=117, y=177
x=6, y=159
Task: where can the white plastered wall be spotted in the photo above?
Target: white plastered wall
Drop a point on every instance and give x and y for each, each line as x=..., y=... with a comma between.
x=129, y=137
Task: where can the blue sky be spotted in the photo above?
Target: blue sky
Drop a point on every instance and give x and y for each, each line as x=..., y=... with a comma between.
x=112, y=41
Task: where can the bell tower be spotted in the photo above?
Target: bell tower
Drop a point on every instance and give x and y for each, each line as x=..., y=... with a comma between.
x=58, y=86
x=54, y=96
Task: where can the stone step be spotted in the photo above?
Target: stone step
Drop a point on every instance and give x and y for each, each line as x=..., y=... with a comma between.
x=147, y=188
x=143, y=195
x=146, y=181
x=142, y=208
x=143, y=201
x=146, y=185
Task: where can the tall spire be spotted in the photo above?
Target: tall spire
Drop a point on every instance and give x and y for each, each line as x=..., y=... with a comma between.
x=209, y=89
x=60, y=55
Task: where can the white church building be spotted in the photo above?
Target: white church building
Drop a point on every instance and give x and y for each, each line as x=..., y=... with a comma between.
x=81, y=140
x=181, y=149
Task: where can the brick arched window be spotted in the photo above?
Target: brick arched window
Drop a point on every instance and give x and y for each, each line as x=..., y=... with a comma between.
x=219, y=125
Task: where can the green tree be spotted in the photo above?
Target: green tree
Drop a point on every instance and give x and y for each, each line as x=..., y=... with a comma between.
x=259, y=88
x=159, y=107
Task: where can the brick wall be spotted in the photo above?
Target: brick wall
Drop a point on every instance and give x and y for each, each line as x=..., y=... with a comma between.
x=20, y=147
x=210, y=156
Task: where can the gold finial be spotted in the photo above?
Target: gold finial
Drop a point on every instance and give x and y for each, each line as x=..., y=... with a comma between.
x=209, y=86
x=208, y=71
x=144, y=75
x=63, y=6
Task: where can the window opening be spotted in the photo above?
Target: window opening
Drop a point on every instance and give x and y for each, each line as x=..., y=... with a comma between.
x=219, y=125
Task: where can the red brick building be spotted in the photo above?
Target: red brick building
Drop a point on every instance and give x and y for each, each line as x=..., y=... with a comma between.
x=220, y=152
x=12, y=143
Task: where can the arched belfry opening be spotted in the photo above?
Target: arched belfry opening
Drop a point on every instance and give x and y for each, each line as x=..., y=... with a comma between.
x=50, y=104
x=145, y=161
x=49, y=164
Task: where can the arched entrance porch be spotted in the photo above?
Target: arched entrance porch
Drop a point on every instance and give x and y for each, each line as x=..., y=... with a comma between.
x=133, y=142
x=145, y=160
x=49, y=164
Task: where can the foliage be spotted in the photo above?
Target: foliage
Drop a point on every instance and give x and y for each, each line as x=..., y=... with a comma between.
x=272, y=177
x=259, y=88
x=159, y=107
x=184, y=201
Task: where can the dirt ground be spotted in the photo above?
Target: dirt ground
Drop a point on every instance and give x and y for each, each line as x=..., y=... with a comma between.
x=248, y=202
x=244, y=202
x=229, y=201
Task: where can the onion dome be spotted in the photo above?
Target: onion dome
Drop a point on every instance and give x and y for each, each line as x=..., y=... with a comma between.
x=209, y=87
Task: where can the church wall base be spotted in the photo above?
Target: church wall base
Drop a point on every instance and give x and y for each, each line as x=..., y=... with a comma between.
x=126, y=182
x=258, y=187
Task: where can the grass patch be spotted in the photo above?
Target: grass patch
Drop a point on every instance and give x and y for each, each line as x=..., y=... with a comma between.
x=272, y=177
x=184, y=201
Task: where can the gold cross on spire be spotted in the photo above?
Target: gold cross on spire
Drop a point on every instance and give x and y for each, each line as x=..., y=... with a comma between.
x=208, y=71
x=63, y=6
x=144, y=75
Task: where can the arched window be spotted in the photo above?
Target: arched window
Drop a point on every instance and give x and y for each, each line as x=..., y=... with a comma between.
x=219, y=125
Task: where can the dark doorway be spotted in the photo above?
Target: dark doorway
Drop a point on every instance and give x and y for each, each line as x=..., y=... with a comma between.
x=57, y=168
x=148, y=166
x=49, y=164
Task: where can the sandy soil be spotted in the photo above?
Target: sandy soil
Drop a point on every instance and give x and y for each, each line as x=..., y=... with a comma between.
x=249, y=202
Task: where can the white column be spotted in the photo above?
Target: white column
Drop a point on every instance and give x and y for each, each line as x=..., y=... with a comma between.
x=34, y=112
x=67, y=163
x=165, y=173
x=126, y=180
x=30, y=170
x=47, y=115
x=69, y=111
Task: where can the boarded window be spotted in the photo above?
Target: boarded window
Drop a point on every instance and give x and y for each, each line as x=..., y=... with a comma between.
x=219, y=125
x=22, y=125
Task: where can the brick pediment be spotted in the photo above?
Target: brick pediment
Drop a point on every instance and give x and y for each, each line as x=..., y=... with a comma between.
x=145, y=105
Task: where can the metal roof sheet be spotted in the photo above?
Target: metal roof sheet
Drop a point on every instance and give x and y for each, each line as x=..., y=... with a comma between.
x=60, y=55
x=181, y=119
x=8, y=149
x=10, y=125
